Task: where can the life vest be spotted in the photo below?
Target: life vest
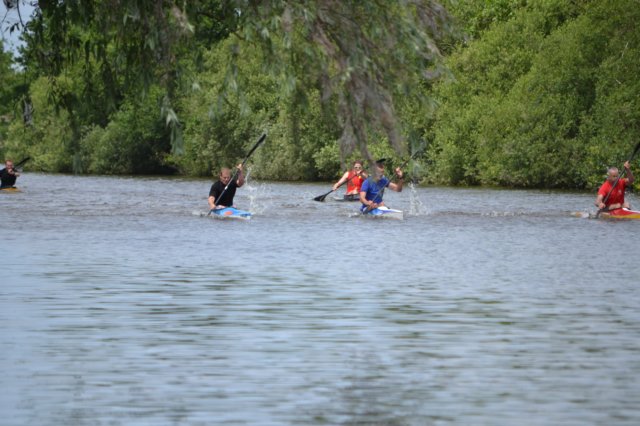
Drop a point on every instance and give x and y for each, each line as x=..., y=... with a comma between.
x=354, y=183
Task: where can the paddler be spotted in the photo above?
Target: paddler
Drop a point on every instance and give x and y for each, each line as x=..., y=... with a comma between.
x=222, y=192
x=372, y=189
x=8, y=175
x=611, y=193
x=354, y=179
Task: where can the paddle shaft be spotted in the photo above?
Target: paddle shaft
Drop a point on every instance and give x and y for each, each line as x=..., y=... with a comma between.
x=323, y=196
x=20, y=163
x=606, y=198
x=235, y=174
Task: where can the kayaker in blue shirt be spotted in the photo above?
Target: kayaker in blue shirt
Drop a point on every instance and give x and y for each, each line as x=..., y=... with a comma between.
x=225, y=187
x=372, y=189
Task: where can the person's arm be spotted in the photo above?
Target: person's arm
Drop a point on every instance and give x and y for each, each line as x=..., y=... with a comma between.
x=627, y=167
x=240, y=180
x=363, y=196
x=212, y=202
x=213, y=196
x=397, y=186
x=363, y=199
x=342, y=180
x=599, y=204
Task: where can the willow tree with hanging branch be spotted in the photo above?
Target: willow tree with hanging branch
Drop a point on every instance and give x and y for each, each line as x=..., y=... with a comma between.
x=362, y=54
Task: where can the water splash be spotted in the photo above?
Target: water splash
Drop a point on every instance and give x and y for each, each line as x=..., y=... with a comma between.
x=416, y=206
x=260, y=197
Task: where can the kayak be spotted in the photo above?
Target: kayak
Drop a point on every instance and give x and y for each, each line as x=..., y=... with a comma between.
x=620, y=214
x=10, y=189
x=385, y=213
x=346, y=199
x=230, y=213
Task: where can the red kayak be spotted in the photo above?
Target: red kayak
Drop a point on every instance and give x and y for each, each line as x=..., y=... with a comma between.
x=620, y=214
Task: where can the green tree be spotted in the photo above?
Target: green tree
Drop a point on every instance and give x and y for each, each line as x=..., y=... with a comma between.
x=361, y=55
x=544, y=99
x=10, y=91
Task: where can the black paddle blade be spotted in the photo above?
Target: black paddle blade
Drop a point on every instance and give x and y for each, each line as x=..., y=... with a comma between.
x=322, y=197
x=20, y=163
x=262, y=138
x=635, y=151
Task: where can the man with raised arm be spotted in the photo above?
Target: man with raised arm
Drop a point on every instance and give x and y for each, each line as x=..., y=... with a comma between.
x=222, y=192
x=611, y=193
x=372, y=189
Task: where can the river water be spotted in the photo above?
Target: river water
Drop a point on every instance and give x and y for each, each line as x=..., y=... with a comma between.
x=120, y=304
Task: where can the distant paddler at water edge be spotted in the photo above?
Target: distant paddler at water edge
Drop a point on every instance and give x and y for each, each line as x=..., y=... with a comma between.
x=8, y=175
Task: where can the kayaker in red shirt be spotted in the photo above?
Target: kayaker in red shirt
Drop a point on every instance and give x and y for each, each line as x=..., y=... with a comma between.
x=611, y=193
x=354, y=179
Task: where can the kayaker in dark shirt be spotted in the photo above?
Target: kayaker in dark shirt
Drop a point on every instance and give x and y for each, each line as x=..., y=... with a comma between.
x=218, y=188
x=8, y=175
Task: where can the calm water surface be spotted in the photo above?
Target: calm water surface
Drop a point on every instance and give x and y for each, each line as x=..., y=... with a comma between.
x=120, y=304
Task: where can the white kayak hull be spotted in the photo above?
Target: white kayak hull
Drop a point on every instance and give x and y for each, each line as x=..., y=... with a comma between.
x=384, y=213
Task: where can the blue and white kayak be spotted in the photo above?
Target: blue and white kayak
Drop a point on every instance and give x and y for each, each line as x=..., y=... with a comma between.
x=230, y=213
x=385, y=213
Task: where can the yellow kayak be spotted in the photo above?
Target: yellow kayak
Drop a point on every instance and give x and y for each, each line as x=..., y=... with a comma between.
x=9, y=189
x=620, y=214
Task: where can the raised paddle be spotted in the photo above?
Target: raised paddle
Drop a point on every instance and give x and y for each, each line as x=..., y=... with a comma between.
x=323, y=196
x=604, y=200
x=20, y=163
x=235, y=174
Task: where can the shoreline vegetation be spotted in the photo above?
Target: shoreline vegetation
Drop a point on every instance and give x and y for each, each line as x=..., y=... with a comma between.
x=511, y=94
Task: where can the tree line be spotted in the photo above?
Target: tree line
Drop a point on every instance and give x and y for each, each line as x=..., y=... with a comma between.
x=516, y=93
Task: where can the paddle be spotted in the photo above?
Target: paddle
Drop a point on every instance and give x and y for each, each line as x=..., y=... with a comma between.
x=604, y=200
x=20, y=163
x=323, y=196
x=235, y=174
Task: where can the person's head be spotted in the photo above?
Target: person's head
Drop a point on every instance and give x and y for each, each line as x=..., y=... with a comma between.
x=225, y=175
x=612, y=174
x=8, y=164
x=357, y=166
x=379, y=167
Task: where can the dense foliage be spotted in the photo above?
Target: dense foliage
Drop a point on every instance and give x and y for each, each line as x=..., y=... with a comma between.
x=545, y=98
x=11, y=91
x=311, y=73
x=500, y=92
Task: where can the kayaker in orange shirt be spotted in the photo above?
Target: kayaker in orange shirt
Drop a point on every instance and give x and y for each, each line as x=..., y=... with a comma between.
x=354, y=179
x=611, y=193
